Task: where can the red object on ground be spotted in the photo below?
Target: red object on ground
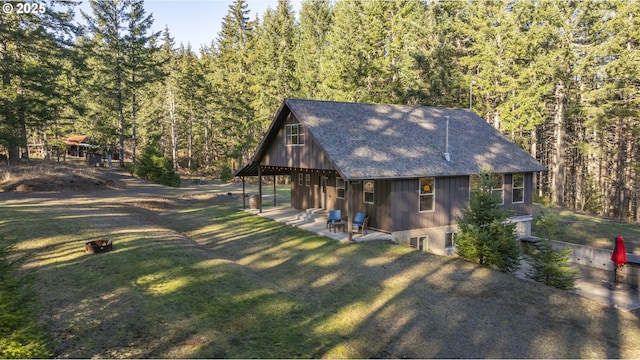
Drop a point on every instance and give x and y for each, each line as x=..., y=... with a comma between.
x=619, y=255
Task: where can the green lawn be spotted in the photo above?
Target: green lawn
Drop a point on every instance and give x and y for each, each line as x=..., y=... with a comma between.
x=579, y=228
x=201, y=279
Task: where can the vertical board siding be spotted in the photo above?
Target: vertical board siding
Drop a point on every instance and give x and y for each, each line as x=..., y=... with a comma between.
x=396, y=202
x=308, y=156
x=451, y=197
x=522, y=208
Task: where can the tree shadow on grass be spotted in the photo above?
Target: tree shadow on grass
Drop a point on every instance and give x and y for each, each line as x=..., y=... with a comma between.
x=217, y=282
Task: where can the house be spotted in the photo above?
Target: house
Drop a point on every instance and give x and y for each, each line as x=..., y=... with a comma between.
x=409, y=168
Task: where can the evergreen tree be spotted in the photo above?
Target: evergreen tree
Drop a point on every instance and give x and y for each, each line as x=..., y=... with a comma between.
x=344, y=61
x=191, y=100
x=121, y=52
x=141, y=61
x=155, y=167
x=547, y=264
x=315, y=18
x=33, y=51
x=233, y=59
x=273, y=71
x=484, y=235
x=107, y=51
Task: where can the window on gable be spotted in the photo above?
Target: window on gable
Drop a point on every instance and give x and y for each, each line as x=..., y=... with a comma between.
x=427, y=193
x=340, y=188
x=368, y=191
x=294, y=135
x=517, y=186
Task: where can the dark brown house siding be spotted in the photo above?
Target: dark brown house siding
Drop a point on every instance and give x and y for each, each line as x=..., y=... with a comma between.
x=307, y=156
x=303, y=197
x=395, y=206
x=451, y=196
x=520, y=208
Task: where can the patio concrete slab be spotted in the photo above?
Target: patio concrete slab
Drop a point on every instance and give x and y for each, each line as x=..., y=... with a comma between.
x=314, y=220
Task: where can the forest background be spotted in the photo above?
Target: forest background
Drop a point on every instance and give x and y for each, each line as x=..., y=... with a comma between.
x=559, y=78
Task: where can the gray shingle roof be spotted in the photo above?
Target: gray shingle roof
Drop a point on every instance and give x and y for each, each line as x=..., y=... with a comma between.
x=367, y=141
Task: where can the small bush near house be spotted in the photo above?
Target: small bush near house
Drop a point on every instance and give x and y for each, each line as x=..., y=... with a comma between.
x=484, y=236
x=153, y=166
x=547, y=264
x=20, y=336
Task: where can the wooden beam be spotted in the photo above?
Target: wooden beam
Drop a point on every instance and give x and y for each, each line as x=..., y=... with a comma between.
x=274, y=191
x=259, y=188
x=244, y=202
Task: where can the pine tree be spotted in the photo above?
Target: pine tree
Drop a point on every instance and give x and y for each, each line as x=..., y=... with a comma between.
x=121, y=57
x=485, y=235
x=33, y=49
x=233, y=57
x=273, y=74
x=141, y=60
x=107, y=51
x=316, y=17
x=549, y=265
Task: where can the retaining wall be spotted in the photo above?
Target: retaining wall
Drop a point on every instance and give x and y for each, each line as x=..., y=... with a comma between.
x=601, y=259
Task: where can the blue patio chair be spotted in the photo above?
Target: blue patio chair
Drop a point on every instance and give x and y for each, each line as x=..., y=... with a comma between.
x=334, y=216
x=360, y=222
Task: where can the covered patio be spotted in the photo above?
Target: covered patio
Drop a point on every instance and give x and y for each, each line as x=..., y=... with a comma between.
x=315, y=220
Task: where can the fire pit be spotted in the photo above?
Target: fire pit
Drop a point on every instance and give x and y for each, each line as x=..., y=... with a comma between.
x=99, y=246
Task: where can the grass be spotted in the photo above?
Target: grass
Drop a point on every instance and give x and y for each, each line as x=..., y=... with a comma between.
x=585, y=229
x=197, y=278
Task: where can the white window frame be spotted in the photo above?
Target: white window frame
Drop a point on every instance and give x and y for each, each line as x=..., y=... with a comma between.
x=290, y=136
x=453, y=240
x=514, y=187
x=372, y=192
x=307, y=180
x=340, y=187
x=421, y=241
x=432, y=194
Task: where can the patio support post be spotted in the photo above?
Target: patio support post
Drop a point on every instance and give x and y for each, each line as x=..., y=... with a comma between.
x=274, y=191
x=260, y=188
x=244, y=202
x=347, y=208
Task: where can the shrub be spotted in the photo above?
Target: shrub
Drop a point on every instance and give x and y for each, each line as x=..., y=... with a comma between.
x=484, y=235
x=153, y=166
x=225, y=172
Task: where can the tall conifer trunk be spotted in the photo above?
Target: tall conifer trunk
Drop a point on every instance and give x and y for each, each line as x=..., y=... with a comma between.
x=558, y=169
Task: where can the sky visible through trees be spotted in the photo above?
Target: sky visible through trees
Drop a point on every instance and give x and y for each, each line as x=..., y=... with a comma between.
x=559, y=78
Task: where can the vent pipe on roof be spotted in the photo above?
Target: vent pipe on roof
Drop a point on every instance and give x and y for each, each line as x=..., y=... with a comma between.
x=446, y=154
